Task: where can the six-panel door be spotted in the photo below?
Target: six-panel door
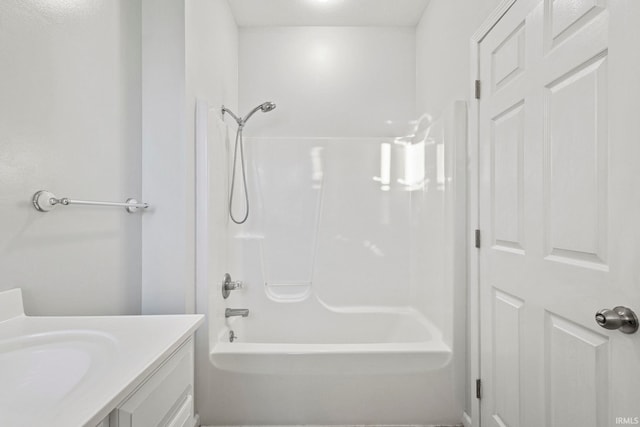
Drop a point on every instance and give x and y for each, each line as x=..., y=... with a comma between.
x=559, y=164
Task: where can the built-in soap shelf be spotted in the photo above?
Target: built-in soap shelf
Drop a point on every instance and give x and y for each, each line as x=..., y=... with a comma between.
x=288, y=292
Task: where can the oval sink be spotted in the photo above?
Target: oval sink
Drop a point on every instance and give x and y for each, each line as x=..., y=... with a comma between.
x=41, y=370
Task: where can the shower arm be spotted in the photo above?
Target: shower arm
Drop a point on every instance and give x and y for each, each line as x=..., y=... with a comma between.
x=236, y=118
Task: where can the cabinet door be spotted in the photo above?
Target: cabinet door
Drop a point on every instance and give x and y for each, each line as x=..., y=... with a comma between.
x=165, y=398
x=184, y=416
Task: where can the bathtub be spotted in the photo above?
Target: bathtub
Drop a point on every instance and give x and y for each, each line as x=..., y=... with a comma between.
x=316, y=339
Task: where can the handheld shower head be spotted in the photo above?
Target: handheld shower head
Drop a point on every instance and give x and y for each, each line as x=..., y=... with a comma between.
x=265, y=107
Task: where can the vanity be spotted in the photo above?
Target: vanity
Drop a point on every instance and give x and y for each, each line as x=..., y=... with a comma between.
x=106, y=371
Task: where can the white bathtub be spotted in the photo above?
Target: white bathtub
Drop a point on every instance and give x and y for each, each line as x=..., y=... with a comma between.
x=313, y=339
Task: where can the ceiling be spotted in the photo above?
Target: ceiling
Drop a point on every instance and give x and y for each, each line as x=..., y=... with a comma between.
x=254, y=13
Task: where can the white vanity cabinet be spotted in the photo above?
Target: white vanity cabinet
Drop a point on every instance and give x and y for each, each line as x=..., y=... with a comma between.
x=164, y=398
x=95, y=371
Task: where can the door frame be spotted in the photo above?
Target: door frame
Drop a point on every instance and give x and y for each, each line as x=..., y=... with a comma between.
x=473, y=203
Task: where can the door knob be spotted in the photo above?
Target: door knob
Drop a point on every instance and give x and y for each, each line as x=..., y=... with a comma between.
x=621, y=318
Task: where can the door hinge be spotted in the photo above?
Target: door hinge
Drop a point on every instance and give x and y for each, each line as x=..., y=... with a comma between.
x=477, y=89
x=478, y=389
x=478, y=239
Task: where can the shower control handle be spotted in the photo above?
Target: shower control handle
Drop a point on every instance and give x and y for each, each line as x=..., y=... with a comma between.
x=621, y=318
x=229, y=285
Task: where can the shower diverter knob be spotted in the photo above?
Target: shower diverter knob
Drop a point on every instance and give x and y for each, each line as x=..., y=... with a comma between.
x=229, y=285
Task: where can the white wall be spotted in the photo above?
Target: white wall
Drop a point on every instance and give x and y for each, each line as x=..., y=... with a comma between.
x=442, y=51
x=70, y=123
x=328, y=81
x=443, y=69
x=211, y=58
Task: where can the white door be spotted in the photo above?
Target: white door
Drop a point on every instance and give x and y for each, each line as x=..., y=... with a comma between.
x=559, y=178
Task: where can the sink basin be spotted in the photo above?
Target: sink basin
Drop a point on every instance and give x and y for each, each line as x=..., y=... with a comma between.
x=41, y=370
x=63, y=371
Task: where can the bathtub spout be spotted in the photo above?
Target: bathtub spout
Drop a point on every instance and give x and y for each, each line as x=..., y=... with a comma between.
x=229, y=312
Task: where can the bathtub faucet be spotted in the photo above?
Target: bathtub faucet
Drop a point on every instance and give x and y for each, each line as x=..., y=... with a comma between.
x=229, y=312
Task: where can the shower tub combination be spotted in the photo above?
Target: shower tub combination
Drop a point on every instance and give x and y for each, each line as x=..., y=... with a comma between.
x=352, y=271
x=315, y=332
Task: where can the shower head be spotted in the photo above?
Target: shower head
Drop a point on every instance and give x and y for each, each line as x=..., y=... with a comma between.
x=265, y=107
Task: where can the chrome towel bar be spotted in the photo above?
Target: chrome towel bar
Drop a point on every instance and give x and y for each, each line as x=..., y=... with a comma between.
x=44, y=201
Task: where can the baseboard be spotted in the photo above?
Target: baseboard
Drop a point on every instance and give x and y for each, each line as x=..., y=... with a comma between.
x=466, y=420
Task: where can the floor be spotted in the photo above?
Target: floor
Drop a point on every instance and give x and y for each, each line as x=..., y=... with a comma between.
x=356, y=425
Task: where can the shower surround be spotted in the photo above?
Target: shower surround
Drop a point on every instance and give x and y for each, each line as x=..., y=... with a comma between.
x=351, y=273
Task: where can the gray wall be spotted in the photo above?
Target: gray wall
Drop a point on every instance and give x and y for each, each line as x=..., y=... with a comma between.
x=167, y=171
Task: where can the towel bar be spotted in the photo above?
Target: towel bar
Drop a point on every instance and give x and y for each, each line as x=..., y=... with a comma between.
x=44, y=201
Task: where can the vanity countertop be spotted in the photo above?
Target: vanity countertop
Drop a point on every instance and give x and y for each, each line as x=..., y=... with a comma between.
x=73, y=371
